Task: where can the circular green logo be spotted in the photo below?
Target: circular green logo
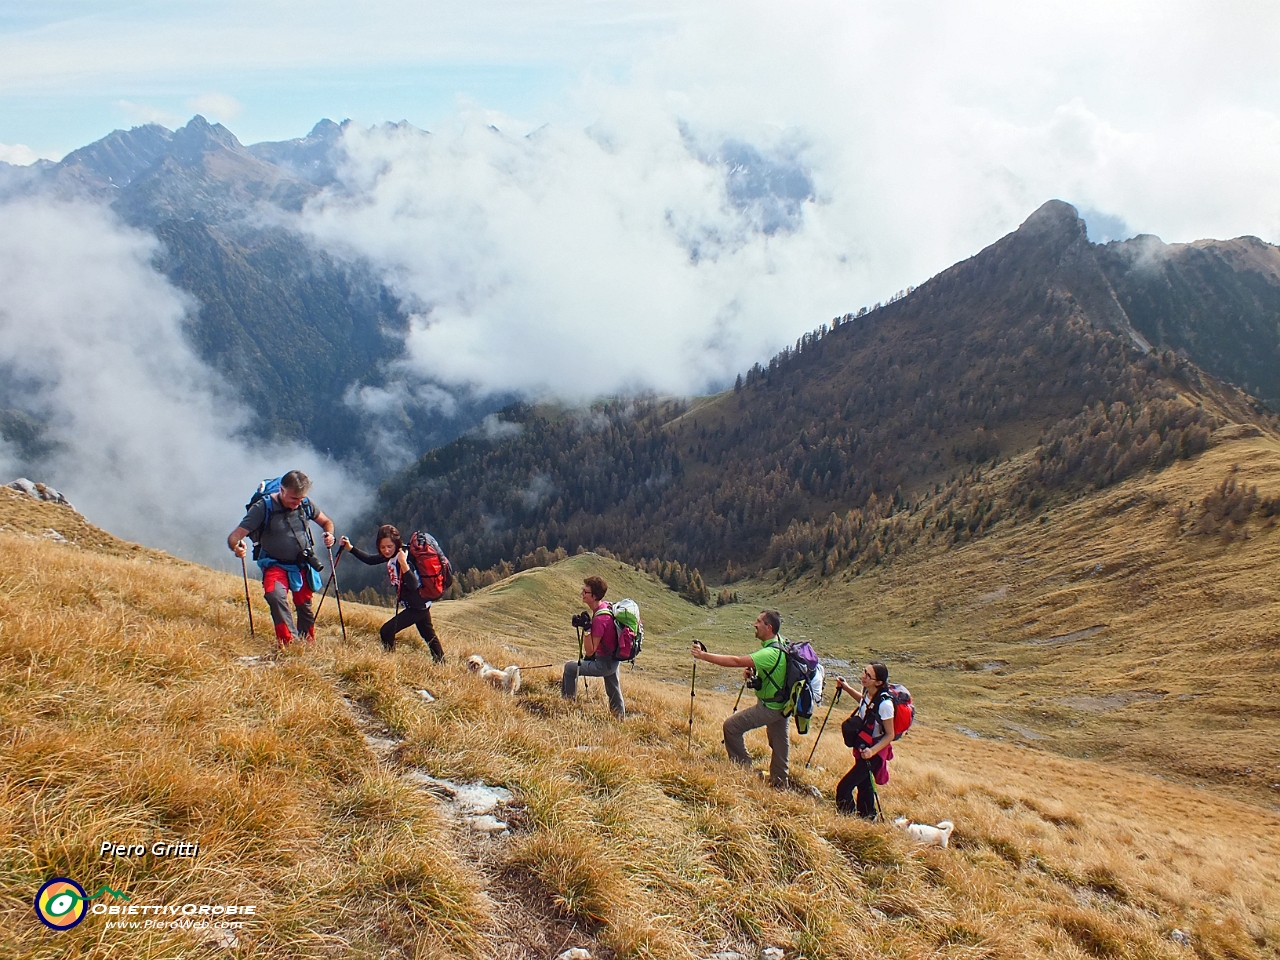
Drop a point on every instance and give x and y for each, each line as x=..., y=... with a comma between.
x=61, y=903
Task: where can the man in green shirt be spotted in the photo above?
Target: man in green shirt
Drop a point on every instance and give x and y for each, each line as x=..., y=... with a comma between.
x=769, y=666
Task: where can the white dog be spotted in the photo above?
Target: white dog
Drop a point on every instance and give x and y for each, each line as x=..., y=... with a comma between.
x=508, y=679
x=925, y=835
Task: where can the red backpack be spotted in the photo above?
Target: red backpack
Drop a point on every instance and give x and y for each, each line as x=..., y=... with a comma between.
x=904, y=709
x=434, y=571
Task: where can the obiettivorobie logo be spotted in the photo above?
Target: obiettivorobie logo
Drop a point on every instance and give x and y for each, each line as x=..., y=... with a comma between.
x=62, y=903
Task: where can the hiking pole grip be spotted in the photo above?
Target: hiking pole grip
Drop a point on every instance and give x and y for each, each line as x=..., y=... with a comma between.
x=337, y=590
x=244, y=569
x=834, y=701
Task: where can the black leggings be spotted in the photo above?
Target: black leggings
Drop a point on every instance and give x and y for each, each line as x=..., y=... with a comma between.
x=859, y=778
x=419, y=617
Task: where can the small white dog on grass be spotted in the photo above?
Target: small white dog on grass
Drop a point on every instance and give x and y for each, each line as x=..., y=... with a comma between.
x=508, y=679
x=925, y=835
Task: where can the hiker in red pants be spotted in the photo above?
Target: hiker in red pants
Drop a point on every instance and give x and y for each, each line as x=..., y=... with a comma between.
x=284, y=550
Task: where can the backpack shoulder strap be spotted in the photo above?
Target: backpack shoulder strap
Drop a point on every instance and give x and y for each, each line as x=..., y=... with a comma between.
x=776, y=644
x=873, y=709
x=266, y=514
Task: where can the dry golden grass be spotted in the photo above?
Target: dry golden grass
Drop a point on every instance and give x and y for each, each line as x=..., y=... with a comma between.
x=127, y=715
x=1183, y=679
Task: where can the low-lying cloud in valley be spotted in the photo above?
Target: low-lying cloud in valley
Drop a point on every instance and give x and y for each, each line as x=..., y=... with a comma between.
x=764, y=168
x=144, y=437
x=580, y=262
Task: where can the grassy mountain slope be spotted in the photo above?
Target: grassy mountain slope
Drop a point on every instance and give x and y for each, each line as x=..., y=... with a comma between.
x=130, y=714
x=1135, y=624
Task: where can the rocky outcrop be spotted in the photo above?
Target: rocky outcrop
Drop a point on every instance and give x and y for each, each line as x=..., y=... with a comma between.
x=40, y=491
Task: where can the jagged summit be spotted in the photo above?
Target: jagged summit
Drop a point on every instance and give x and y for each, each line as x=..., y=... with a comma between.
x=313, y=157
x=207, y=174
x=199, y=137
x=1053, y=216
x=118, y=157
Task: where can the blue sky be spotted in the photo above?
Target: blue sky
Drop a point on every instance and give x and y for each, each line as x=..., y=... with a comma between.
x=72, y=71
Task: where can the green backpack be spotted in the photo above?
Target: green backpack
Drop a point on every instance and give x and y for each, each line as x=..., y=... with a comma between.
x=626, y=617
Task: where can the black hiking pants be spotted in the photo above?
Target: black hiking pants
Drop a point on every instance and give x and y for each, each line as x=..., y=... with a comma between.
x=415, y=616
x=859, y=779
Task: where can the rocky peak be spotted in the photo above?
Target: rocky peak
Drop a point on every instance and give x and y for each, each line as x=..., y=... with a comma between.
x=40, y=491
x=313, y=157
x=199, y=137
x=116, y=159
x=1054, y=218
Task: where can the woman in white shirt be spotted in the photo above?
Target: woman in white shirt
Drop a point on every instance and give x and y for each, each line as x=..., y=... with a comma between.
x=869, y=731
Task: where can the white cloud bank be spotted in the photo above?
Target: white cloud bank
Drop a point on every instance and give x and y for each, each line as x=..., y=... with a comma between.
x=146, y=434
x=19, y=154
x=573, y=263
x=611, y=256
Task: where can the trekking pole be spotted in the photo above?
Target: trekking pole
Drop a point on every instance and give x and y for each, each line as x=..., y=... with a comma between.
x=839, y=690
x=244, y=569
x=332, y=573
x=537, y=666
x=693, y=683
x=580, y=676
x=337, y=590
x=739, y=700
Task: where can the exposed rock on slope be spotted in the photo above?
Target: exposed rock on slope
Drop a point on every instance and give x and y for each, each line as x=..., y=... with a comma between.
x=1216, y=302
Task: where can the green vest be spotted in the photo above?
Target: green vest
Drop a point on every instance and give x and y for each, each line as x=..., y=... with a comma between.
x=771, y=667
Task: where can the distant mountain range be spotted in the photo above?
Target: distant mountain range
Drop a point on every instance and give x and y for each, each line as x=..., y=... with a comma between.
x=985, y=358
x=292, y=328
x=1214, y=302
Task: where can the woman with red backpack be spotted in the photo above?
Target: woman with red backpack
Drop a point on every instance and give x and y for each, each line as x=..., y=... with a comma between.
x=404, y=577
x=869, y=731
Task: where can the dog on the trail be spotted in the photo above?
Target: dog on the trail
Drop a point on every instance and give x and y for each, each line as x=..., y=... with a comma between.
x=925, y=835
x=508, y=679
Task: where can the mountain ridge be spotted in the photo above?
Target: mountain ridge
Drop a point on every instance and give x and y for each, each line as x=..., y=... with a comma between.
x=296, y=332
x=1214, y=303
x=1020, y=350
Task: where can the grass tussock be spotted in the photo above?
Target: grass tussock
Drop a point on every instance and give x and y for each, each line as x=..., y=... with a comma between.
x=141, y=723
